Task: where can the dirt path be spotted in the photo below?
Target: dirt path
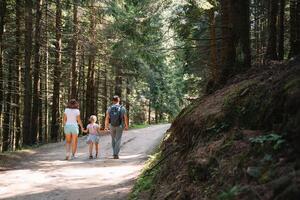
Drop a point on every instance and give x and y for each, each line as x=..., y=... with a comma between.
x=45, y=175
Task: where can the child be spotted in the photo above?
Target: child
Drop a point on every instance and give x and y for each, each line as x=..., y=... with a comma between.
x=93, y=138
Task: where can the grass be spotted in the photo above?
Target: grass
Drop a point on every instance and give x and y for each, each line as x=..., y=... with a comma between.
x=145, y=180
x=139, y=126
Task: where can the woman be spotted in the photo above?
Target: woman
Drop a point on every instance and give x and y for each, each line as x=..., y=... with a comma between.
x=71, y=120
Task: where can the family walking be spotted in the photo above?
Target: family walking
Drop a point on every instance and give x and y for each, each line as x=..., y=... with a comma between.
x=116, y=121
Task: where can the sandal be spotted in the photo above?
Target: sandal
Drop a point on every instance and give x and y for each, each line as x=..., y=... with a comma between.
x=91, y=157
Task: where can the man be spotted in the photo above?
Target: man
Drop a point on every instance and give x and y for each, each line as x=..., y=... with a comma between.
x=117, y=120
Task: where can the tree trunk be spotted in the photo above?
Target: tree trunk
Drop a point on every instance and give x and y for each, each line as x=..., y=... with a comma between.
x=149, y=112
x=271, y=53
x=214, y=70
x=17, y=72
x=46, y=103
x=256, y=30
x=41, y=136
x=281, y=31
x=294, y=28
x=156, y=116
x=57, y=75
x=242, y=31
x=228, y=53
x=7, y=113
x=235, y=19
x=81, y=84
x=118, y=81
x=36, y=74
x=74, y=75
x=105, y=94
x=3, y=5
x=90, y=89
x=27, y=133
x=128, y=91
x=2, y=24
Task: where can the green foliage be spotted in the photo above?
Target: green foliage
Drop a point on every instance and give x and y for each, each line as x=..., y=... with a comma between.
x=145, y=180
x=138, y=48
x=138, y=126
x=275, y=140
x=230, y=194
x=218, y=127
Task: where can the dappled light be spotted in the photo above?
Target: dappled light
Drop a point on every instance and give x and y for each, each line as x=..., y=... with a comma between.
x=150, y=99
x=48, y=175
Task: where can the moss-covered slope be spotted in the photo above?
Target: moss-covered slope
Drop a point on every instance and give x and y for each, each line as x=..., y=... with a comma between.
x=242, y=142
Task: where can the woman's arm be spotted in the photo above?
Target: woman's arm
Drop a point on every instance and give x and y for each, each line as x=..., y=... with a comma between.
x=80, y=122
x=64, y=119
x=85, y=130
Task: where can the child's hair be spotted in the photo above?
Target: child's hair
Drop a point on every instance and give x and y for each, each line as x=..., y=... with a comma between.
x=93, y=118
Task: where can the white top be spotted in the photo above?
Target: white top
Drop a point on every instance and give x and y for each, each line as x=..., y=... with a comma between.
x=72, y=115
x=93, y=128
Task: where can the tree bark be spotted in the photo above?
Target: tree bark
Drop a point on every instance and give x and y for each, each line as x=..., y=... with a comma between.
x=294, y=28
x=74, y=75
x=228, y=53
x=90, y=89
x=17, y=74
x=271, y=52
x=7, y=113
x=3, y=5
x=27, y=133
x=242, y=31
x=214, y=70
x=55, y=124
x=118, y=81
x=281, y=30
x=36, y=74
x=82, y=84
x=235, y=19
x=127, y=105
x=2, y=24
x=149, y=112
x=46, y=74
x=105, y=94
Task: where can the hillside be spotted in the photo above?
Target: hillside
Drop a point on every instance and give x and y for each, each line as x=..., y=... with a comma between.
x=241, y=142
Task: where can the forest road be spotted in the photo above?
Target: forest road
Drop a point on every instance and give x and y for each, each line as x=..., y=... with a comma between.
x=44, y=174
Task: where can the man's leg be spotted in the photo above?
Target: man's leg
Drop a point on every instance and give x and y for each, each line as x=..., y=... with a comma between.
x=119, y=131
x=113, y=138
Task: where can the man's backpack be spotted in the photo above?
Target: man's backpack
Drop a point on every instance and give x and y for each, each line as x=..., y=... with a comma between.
x=115, y=115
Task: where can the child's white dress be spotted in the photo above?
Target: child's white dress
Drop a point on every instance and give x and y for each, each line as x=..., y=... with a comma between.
x=93, y=136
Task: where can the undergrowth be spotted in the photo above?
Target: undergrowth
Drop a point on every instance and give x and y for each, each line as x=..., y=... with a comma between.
x=145, y=180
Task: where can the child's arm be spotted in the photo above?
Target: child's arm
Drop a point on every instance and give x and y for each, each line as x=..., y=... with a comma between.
x=85, y=130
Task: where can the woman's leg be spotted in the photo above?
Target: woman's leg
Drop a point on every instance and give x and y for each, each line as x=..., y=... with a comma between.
x=74, y=144
x=68, y=145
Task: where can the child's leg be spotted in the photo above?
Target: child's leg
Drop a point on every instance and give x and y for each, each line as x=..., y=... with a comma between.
x=91, y=149
x=97, y=148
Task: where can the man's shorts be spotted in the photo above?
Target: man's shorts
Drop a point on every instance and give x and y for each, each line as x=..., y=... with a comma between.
x=71, y=129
